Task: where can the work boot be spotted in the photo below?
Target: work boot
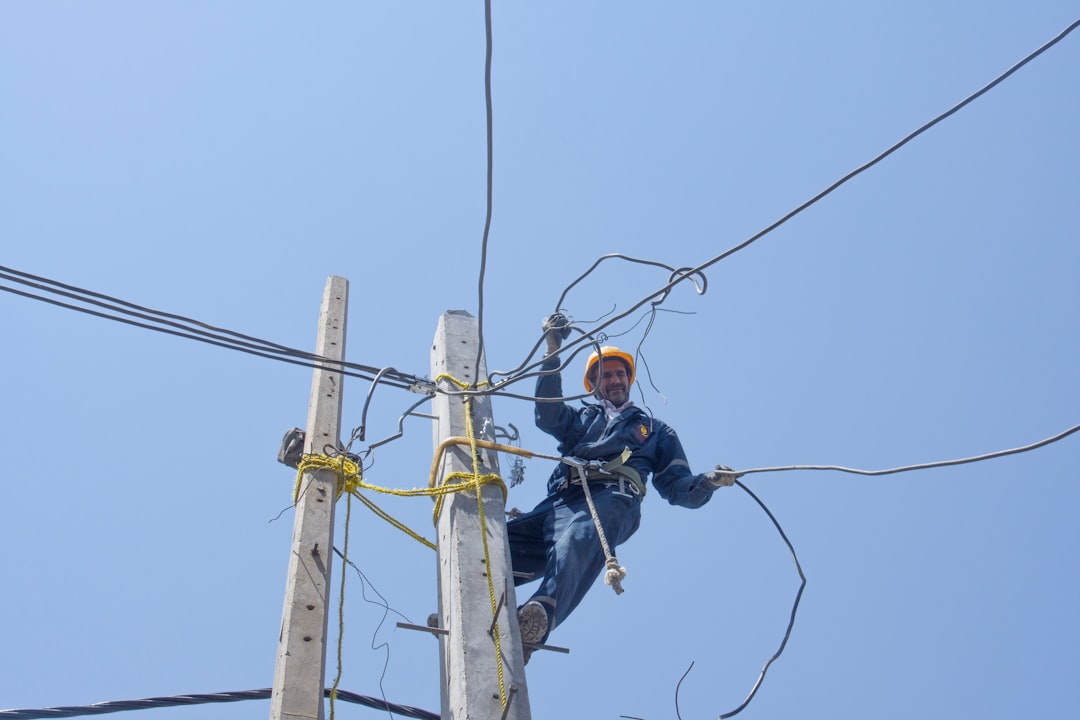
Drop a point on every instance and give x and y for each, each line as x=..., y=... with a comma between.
x=533, y=624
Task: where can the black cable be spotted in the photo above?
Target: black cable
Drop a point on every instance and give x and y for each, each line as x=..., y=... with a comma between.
x=678, y=685
x=202, y=699
x=678, y=276
x=681, y=272
x=218, y=336
x=86, y=296
x=673, y=272
x=685, y=273
x=361, y=430
x=171, y=319
x=364, y=584
x=787, y=631
x=794, y=606
x=117, y=301
x=400, y=426
x=925, y=466
x=490, y=185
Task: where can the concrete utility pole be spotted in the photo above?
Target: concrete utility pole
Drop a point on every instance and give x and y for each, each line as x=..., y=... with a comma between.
x=300, y=672
x=469, y=668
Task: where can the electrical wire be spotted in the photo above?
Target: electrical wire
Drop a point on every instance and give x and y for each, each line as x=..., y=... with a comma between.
x=678, y=686
x=490, y=185
x=150, y=703
x=410, y=382
x=361, y=430
x=921, y=466
x=190, y=329
x=795, y=559
x=385, y=646
x=400, y=425
x=684, y=273
x=103, y=300
x=187, y=335
x=787, y=632
x=794, y=605
x=593, y=336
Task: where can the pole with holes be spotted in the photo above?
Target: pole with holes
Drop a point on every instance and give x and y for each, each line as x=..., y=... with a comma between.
x=300, y=671
x=471, y=659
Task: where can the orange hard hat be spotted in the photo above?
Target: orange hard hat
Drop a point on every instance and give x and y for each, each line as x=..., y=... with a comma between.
x=608, y=352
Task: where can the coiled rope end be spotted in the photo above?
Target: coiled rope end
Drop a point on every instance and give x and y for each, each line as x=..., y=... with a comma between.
x=614, y=575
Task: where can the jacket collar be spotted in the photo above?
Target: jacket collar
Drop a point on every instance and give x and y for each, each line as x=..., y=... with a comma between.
x=613, y=412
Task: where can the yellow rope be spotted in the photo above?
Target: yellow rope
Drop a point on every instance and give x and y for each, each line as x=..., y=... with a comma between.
x=351, y=482
x=477, y=483
x=487, y=556
x=468, y=480
x=460, y=383
x=341, y=604
x=379, y=512
x=348, y=473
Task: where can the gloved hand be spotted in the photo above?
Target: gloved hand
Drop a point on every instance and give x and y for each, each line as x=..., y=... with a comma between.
x=722, y=476
x=556, y=329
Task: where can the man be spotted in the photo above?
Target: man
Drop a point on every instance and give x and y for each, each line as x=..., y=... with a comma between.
x=618, y=447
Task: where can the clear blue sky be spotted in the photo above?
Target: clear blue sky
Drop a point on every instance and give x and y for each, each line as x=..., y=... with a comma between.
x=221, y=160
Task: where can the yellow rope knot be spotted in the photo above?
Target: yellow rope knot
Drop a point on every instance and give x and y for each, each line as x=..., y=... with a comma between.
x=348, y=472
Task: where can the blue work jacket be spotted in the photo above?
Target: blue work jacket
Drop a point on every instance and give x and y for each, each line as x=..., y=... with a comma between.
x=587, y=433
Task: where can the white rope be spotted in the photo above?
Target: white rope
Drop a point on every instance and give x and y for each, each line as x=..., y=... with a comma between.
x=615, y=573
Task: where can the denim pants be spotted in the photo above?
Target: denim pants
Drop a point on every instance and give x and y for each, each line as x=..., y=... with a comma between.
x=557, y=542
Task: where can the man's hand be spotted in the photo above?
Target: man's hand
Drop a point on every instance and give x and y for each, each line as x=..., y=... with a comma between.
x=722, y=476
x=556, y=329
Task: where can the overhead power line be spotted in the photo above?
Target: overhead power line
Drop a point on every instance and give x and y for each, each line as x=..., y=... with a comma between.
x=112, y=308
x=922, y=466
x=188, y=328
x=490, y=181
x=689, y=273
x=203, y=699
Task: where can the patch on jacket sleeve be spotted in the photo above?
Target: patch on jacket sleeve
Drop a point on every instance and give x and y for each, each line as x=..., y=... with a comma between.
x=641, y=432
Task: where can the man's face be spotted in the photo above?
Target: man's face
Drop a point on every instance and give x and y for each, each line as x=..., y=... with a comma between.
x=614, y=381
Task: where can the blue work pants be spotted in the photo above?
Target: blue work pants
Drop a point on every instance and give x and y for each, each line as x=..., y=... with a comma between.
x=557, y=541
